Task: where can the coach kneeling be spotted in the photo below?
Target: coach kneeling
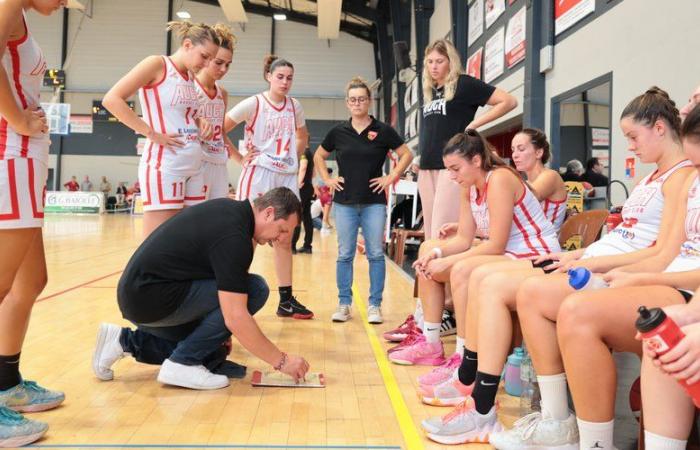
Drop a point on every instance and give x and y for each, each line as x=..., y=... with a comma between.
x=194, y=269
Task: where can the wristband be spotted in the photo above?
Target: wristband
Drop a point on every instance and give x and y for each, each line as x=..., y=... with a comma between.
x=282, y=362
x=437, y=251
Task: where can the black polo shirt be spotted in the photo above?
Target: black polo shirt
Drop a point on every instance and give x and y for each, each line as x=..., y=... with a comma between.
x=360, y=158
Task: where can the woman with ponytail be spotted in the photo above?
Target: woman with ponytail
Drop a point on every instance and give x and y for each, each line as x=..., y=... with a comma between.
x=169, y=170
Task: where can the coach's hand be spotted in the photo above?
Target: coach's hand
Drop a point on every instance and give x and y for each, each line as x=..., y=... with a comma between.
x=296, y=367
x=335, y=184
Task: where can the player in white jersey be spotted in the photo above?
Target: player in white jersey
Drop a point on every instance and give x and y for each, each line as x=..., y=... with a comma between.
x=169, y=171
x=651, y=125
x=24, y=153
x=275, y=136
x=497, y=206
x=213, y=101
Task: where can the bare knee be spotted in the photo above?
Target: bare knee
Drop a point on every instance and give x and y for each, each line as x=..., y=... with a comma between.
x=528, y=293
x=576, y=317
x=460, y=273
x=490, y=288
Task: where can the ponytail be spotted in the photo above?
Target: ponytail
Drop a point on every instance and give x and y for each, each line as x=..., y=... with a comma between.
x=198, y=33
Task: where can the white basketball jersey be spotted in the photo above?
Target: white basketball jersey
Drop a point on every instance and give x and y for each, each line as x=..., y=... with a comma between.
x=531, y=234
x=689, y=257
x=555, y=212
x=272, y=131
x=641, y=217
x=171, y=106
x=213, y=109
x=25, y=65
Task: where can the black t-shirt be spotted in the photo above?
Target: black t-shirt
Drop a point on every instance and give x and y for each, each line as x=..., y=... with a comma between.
x=596, y=179
x=443, y=119
x=213, y=240
x=360, y=158
x=308, y=176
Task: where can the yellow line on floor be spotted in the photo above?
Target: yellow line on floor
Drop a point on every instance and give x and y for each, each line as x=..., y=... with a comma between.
x=408, y=429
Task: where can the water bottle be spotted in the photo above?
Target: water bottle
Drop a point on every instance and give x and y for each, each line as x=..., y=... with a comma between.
x=581, y=278
x=662, y=333
x=513, y=384
x=530, y=393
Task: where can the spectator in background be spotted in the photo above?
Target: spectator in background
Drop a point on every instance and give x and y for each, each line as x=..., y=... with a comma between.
x=72, y=185
x=231, y=192
x=86, y=185
x=594, y=173
x=136, y=189
x=574, y=171
x=105, y=187
x=121, y=193
x=306, y=191
x=324, y=194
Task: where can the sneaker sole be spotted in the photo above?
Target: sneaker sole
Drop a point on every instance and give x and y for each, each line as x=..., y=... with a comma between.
x=467, y=438
x=164, y=380
x=21, y=441
x=428, y=428
x=435, y=401
x=37, y=407
x=340, y=320
x=394, y=337
x=376, y=322
x=102, y=335
x=418, y=362
x=303, y=316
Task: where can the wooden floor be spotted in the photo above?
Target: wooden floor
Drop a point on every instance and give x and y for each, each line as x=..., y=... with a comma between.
x=85, y=256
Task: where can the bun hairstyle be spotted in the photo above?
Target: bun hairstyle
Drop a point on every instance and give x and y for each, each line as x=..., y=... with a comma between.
x=655, y=104
x=470, y=144
x=227, y=39
x=198, y=33
x=539, y=141
x=272, y=63
x=357, y=82
x=691, y=125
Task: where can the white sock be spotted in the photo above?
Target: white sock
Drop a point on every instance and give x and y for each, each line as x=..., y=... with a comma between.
x=418, y=314
x=655, y=442
x=596, y=434
x=431, y=331
x=554, y=396
x=459, y=346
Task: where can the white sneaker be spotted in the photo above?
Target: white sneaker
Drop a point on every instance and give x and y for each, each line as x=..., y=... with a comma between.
x=374, y=314
x=342, y=314
x=192, y=377
x=325, y=231
x=538, y=431
x=108, y=351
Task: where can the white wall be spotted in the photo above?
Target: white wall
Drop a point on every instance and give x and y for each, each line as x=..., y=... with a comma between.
x=47, y=30
x=441, y=20
x=642, y=43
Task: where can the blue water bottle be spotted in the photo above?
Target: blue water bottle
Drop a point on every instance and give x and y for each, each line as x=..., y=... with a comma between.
x=581, y=278
x=513, y=384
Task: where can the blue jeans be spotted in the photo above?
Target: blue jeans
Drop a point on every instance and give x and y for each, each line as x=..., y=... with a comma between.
x=371, y=218
x=193, y=333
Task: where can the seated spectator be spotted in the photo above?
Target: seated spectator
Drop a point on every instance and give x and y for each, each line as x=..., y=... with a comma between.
x=72, y=185
x=574, y=171
x=594, y=173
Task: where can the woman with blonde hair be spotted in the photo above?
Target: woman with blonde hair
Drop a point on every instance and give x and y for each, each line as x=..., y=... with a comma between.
x=362, y=145
x=169, y=170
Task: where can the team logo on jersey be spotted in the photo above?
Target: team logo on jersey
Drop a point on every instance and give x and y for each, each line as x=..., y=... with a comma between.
x=185, y=94
x=371, y=135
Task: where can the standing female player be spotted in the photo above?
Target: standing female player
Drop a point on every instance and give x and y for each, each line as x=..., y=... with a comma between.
x=275, y=132
x=213, y=100
x=24, y=153
x=169, y=171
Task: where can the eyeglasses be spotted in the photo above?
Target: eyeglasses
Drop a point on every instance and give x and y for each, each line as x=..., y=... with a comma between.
x=353, y=100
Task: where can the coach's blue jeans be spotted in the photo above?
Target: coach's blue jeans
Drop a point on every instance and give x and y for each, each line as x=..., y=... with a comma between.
x=348, y=219
x=194, y=333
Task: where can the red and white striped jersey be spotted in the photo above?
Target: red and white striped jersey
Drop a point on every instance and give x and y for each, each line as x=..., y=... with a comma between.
x=641, y=217
x=689, y=255
x=25, y=65
x=531, y=234
x=171, y=106
x=555, y=211
x=271, y=129
x=213, y=109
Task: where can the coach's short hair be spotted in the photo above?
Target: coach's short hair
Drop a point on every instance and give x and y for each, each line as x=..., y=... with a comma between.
x=283, y=200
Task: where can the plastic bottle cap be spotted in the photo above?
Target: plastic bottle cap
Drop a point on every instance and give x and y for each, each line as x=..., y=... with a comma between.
x=649, y=318
x=579, y=277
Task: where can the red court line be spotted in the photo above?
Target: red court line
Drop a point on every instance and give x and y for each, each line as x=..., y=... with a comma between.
x=78, y=286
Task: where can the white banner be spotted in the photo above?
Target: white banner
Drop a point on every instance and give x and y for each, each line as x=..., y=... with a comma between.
x=568, y=12
x=476, y=21
x=600, y=137
x=74, y=202
x=515, y=38
x=493, y=56
x=494, y=9
x=81, y=124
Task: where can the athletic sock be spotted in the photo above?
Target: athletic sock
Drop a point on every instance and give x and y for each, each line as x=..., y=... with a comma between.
x=431, y=331
x=285, y=294
x=656, y=442
x=467, y=370
x=9, y=371
x=598, y=435
x=485, y=389
x=459, y=346
x=554, y=395
x=418, y=314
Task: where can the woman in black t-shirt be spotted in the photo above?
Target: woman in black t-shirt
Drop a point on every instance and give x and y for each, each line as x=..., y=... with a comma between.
x=361, y=145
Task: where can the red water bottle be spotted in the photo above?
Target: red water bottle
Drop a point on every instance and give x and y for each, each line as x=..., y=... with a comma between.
x=662, y=334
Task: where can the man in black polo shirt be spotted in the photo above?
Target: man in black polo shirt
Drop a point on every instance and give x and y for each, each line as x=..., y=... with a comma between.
x=188, y=284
